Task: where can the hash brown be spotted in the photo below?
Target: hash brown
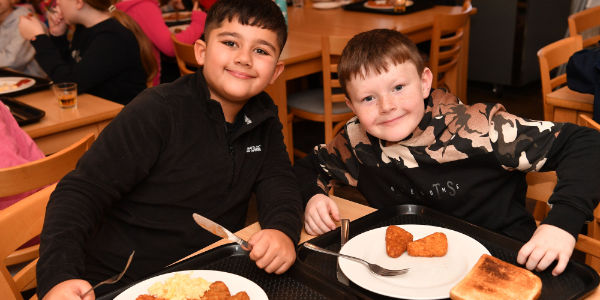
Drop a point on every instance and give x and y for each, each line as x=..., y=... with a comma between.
x=433, y=245
x=396, y=240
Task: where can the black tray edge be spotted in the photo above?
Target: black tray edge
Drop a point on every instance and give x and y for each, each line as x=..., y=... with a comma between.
x=593, y=278
x=26, y=113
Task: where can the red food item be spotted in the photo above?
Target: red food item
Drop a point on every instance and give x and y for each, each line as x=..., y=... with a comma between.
x=22, y=82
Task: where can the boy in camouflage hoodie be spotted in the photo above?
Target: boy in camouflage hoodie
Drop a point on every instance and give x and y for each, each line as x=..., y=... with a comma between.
x=409, y=144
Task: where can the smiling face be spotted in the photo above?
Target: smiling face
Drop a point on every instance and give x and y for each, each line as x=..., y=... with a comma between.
x=390, y=105
x=239, y=61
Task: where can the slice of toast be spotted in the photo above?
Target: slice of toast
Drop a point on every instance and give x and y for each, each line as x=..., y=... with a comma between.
x=396, y=240
x=435, y=244
x=492, y=278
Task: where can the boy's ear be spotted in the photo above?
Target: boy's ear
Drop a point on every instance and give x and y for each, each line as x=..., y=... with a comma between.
x=279, y=66
x=79, y=4
x=200, y=51
x=349, y=104
x=426, y=80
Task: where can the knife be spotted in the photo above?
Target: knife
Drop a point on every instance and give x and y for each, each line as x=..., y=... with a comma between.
x=344, y=228
x=219, y=230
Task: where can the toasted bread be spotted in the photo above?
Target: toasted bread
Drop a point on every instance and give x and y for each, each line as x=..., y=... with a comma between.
x=435, y=244
x=493, y=278
x=396, y=240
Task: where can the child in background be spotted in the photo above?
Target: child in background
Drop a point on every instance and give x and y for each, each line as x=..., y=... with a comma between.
x=148, y=16
x=409, y=144
x=103, y=57
x=15, y=51
x=203, y=143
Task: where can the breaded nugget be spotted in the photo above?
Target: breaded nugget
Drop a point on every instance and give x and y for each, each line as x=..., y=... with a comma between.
x=148, y=297
x=435, y=244
x=217, y=291
x=240, y=296
x=396, y=240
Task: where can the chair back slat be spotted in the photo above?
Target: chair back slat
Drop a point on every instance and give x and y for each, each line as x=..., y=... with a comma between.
x=185, y=56
x=581, y=22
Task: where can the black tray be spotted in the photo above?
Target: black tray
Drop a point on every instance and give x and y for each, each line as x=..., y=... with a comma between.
x=296, y=283
x=23, y=113
x=40, y=83
x=577, y=280
x=417, y=6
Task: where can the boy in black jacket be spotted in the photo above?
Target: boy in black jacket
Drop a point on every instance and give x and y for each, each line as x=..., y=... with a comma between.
x=203, y=143
x=409, y=144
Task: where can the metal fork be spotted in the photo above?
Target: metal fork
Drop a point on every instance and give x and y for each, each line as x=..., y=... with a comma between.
x=114, y=278
x=375, y=268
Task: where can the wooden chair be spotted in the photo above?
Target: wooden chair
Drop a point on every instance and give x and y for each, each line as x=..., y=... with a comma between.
x=540, y=186
x=19, y=223
x=325, y=105
x=185, y=56
x=584, y=20
x=447, y=45
x=35, y=175
x=587, y=121
x=550, y=57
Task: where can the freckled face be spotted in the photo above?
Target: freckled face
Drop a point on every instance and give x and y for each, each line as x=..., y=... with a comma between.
x=390, y=105
x=239, y=61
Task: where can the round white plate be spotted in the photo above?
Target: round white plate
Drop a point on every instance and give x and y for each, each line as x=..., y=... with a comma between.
x=373, y=5
x=327, y=5
x=234, y=282
x=428, y=278
x=8, y=84
x=178, y=28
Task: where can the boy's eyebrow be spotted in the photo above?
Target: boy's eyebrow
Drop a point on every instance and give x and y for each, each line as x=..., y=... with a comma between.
x=239, y=36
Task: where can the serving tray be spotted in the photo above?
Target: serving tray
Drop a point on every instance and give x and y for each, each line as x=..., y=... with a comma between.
x=296, y=283
x=23, y=113
x=576, y=281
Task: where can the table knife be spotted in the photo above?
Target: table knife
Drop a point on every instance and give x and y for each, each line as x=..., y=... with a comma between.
x=344, y=228
x=219, y=230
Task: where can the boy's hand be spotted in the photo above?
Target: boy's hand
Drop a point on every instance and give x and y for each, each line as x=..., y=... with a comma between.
x=70, y=289
x=272, y=250
x=548, y=243
x=320, y=215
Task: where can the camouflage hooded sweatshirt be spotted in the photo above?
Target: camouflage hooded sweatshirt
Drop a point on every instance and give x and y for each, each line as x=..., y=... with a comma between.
x=469, y=161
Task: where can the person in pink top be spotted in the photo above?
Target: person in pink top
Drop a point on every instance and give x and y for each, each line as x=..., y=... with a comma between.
x=148, y=15
x=16, y=148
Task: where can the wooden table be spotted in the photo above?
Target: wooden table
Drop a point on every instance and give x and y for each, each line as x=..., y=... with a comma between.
x=302, y=52
x=568, y=104
x=61, y=127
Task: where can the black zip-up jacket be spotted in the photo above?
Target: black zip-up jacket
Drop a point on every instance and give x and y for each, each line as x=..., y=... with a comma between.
x=166, y=155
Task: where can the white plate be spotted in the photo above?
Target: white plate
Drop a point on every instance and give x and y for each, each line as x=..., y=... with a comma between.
x=234, y=282
x=374, y=5
x=428, y=278
x=8, y=84
x=178, y=28
x=327, y=5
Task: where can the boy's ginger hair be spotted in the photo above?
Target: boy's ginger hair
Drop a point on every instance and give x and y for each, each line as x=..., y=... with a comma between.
x=374, y=51
x=264, y=14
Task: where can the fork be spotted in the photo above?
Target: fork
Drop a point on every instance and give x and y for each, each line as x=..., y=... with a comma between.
x=114, y=278
x=375, y=268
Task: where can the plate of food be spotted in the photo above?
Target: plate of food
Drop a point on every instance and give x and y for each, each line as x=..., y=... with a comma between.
x=15, y=84
x=438, y=259
x=178, y=16
x=383, y=4
x=193, y=284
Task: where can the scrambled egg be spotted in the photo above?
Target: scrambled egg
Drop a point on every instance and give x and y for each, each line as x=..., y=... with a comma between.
x=180, y=287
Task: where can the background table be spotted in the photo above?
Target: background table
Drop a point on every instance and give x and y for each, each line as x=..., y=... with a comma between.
x=61, y=127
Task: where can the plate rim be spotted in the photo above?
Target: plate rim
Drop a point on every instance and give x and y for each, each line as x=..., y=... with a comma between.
x=344, y=263
x=202, y=273
x=17, y=78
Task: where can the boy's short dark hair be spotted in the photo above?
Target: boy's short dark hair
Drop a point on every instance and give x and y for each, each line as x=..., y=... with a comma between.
x=260, y=13
x=373, y=51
